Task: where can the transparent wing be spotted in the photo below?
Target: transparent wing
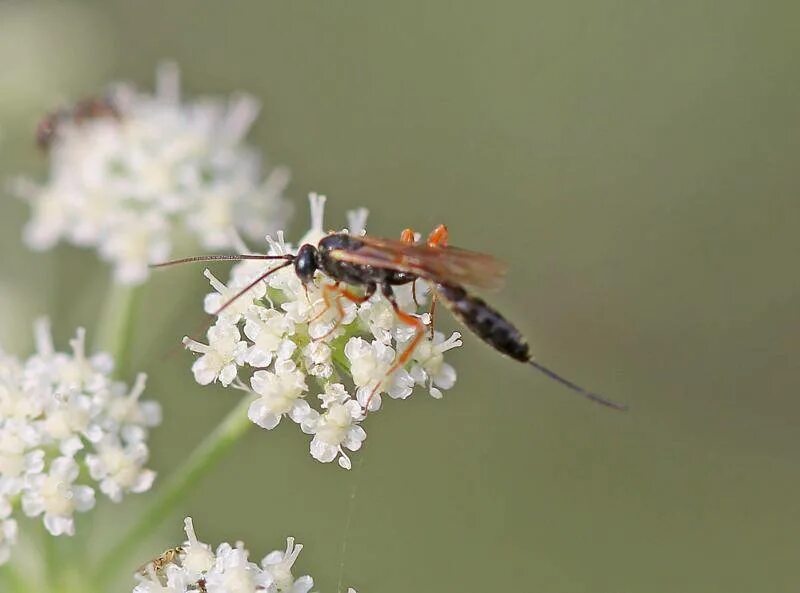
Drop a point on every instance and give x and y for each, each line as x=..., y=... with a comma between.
x=438, y=264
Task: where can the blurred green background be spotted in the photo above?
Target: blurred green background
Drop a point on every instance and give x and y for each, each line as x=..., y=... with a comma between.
x=635, y=162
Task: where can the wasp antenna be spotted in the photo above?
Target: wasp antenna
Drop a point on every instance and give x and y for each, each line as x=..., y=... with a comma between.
x=207, y=258
x=233, y=299
x=576, y=388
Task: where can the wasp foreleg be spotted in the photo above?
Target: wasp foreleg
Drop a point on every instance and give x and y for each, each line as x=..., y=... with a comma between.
x=331, y=293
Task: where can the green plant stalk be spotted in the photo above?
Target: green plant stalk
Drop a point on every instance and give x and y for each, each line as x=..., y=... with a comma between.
x=117, y=325
x=180, y=484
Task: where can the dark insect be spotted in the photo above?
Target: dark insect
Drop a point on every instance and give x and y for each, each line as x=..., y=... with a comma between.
x=84, y=110
x=374, y=263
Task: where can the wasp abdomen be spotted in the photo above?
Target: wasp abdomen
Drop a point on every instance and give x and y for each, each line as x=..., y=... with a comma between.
x=486, y=322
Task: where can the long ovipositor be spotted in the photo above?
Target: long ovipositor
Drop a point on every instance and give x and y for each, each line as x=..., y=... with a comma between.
x=489, y=325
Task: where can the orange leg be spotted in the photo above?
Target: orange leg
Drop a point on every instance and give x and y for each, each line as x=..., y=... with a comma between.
x=437, y=238
x=402, y=359
x=338, y=292
x=407, y=237
x=326, y=298
x=432, y=313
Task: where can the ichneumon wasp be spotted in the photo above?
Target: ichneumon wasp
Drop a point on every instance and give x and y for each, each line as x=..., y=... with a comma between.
x=376, y=264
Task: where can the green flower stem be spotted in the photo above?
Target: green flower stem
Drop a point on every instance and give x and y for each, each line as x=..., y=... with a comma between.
x=180, y=484
x=117, y=324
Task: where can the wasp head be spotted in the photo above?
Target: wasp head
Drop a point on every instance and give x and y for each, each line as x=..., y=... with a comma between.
x=305, y=263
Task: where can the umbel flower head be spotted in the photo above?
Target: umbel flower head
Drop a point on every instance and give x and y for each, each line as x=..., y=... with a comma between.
x=197, y=567
x=130, y=171
x=66, y=430
x=305, y=363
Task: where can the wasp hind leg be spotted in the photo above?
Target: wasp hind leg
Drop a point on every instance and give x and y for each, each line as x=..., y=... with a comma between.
x=331, y=293
x=438, y=238
x=408, y=236
x=403, y=357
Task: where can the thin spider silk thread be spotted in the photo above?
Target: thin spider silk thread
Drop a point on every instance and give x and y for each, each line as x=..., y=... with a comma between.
x=351, y=505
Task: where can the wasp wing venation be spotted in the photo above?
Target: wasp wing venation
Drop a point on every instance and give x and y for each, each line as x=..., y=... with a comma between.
x=437, y=264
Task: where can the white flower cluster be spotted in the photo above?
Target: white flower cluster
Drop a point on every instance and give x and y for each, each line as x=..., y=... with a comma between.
x=64, y=422
x=281, y=334
x=128, y=178
x=196, y=567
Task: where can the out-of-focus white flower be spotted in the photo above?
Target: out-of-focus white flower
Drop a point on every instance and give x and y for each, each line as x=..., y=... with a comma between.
x=66, y=428
x=18, y=459
x=226, y=569
x=282, y=336
x=8, y=537
x=128, y=178
x=55, y=495
x=119, y=468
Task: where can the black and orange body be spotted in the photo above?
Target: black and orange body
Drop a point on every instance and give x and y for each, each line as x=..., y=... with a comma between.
x=350, y=272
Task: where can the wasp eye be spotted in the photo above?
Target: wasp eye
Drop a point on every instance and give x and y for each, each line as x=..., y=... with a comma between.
x=305, y=263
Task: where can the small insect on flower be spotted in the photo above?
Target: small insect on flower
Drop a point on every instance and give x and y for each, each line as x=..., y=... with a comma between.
x=85, y=109
x=199, y=568
x=371, y=263
x=170, y=556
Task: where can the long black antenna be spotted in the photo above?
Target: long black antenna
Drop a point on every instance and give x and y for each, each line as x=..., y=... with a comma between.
x=576, y=388
x=198, y=258
x=230, y=301
x=288, y=259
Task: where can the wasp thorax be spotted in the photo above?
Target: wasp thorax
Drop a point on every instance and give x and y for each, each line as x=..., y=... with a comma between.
x=305, y=263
